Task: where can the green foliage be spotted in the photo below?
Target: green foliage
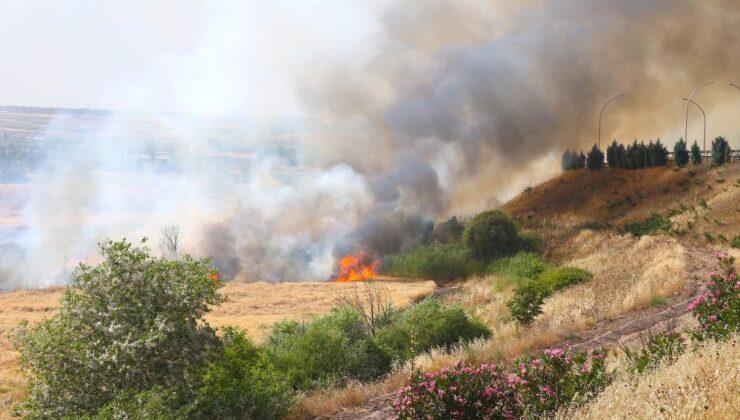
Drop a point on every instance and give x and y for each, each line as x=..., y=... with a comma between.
x=428, y=324
x=718, y=309
x=695, y=154
x=654, y=349
x=523, y=265
x=242, y=381
x=653, y=224
x=680, y=153
x=595, y=158
x=534, y=388
x=327, y=351
x=613, y=154
x=720, y=151
x=657, y=300
x=436, y=262
x=526, y=303
x=131, y=324
x=490, y=234
x=572, y=160
x=157, y=404
x=735, y=243
x=557, y=278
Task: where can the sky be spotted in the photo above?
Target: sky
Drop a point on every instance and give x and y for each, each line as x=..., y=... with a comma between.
x=216, y=56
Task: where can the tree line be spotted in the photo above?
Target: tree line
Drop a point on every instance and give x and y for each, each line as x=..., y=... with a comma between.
x=641, y=155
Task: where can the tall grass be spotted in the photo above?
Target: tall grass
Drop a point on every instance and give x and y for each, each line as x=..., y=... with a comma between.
x=441, y=262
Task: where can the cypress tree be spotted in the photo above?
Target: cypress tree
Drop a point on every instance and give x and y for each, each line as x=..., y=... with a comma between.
x=695, y=154
x=680, y=154
x=612, y=154
x=595, y=158
x=566, y=162
x=642, y=156
x=719, y=148
x=661, y=154
x=581, y=160
x=622, y=154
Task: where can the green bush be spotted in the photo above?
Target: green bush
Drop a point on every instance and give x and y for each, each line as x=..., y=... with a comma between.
x=735, y=243
x=653, y=224
x=526, y=303
x=664, y=346
x=492, y=234
x=326, y=351
x=523, y=265
x=130, y=325
x=428, y=324
x=557, y=278
x=157, y=404
x=435, y=262
x=242, y=381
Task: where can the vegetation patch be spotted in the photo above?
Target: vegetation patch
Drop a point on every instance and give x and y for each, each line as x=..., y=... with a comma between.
x=440, y=262
x=655, y=223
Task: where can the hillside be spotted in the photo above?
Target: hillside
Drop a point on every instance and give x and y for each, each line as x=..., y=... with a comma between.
x=639, y=284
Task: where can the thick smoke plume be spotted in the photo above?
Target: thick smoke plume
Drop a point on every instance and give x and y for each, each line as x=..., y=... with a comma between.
x=458, y=106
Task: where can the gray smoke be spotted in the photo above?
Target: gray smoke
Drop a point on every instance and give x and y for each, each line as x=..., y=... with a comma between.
x=458, y=106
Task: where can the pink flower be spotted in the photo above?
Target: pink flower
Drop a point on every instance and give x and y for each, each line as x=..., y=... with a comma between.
x=554, y=352
x=712, y=318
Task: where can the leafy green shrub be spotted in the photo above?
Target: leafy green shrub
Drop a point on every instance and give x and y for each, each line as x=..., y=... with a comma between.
x=526, y=303
x=242, y=381
x=557, y=278
x=529, y=241
x=326, y=351
x=491, y=234
x=718, y=309
x=735, y=243
x=654, y=349
x=428, y=324
x=649, y=226
x=434, y=262
x=523, y=265
x=158, y=404
x=535, y=388
x=129, y=325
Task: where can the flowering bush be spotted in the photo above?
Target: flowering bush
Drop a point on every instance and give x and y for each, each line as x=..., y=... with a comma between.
x=718, y=309
x=655, y=349
x=535, y=386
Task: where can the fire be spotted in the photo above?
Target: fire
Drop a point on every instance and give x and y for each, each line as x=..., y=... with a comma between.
x=357, y=267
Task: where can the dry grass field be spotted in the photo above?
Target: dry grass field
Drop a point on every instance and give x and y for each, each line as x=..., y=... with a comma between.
x=251, y=306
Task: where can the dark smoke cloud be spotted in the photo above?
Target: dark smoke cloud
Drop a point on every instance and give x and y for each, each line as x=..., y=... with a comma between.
x=483, y=94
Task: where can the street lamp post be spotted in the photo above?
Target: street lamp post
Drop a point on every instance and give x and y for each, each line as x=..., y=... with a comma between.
x=705, y=123
x=621, y=95
x=686, y=126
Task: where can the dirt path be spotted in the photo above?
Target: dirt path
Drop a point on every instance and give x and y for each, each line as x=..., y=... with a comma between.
x=625, y=328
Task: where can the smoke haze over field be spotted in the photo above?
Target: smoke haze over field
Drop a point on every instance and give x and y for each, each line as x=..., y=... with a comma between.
x=421, y=110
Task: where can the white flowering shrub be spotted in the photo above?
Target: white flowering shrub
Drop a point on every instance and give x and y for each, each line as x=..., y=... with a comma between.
x=129, y=325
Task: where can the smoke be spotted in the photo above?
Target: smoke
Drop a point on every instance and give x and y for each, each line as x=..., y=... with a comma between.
x=456, y=107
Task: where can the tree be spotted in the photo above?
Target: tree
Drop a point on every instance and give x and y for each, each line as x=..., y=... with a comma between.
x=595, y=158
x=695, y=154
x=680, y=154
x=580, y=161
x=612, y=155
x=169, y=243
x=566, y=163
x=491, y=233
x=131, y=324
x=661, y=154
x=720, y=148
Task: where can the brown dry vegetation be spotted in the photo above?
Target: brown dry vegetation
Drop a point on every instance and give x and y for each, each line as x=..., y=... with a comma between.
x=702, y=384
x=251, y=306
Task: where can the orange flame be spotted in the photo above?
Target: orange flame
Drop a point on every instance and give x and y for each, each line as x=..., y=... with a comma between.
x=356, y=267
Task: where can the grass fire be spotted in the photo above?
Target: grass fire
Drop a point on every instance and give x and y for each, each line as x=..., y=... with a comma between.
x=357, y=267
